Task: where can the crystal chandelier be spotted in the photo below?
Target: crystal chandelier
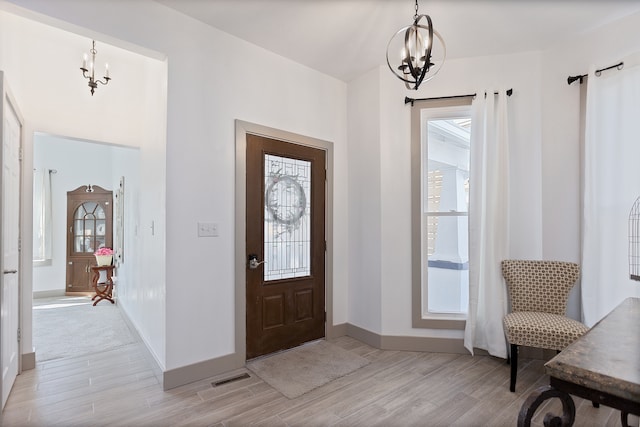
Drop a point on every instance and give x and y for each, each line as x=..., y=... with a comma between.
x=89, y=73
x=414, y=45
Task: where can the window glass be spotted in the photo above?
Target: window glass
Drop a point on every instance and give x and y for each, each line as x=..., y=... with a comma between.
x=89, y=232
x=445, y=215
x=287, y=227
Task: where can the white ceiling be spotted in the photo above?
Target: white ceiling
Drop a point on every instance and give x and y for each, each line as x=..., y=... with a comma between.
x=346, y=38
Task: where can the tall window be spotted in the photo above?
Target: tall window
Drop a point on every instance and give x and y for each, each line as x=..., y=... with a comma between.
x=445, y=198
x=440, y=176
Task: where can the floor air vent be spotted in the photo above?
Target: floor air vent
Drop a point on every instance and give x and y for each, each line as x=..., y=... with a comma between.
x=230, y=380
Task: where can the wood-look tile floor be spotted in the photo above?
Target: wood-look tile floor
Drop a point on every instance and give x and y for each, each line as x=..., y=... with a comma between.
x=119, y=388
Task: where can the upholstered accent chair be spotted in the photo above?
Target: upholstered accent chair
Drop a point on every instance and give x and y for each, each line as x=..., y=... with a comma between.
x=538, y=293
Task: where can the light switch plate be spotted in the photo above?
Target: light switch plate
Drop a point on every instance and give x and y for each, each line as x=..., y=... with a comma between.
x=207, y=229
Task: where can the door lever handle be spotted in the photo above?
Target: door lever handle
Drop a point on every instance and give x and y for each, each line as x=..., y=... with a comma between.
x=9, y=271
x=253, y=262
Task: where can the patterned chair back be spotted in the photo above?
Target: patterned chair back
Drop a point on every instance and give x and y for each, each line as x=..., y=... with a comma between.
x=541, y=286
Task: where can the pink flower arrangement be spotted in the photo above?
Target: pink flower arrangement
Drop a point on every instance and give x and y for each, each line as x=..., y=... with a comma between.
x=104, y=251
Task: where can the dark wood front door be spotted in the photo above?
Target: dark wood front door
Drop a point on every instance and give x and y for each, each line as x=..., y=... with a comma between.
x=89, y=227
x=285, y=245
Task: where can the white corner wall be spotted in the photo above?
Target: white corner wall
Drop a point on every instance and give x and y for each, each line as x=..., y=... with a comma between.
x=364, y=181
x=380, y=180
x=457, y=77
x=544, y=155
x=561, y=150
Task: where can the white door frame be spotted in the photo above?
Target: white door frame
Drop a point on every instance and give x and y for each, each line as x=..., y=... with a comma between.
x=9, y=101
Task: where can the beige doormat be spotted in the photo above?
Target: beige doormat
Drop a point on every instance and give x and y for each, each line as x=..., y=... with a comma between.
x=297, y=371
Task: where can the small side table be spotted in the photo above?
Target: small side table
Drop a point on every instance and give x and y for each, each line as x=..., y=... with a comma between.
x=107, y=288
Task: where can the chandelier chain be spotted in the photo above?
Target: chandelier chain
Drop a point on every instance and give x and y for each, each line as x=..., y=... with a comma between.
x=416, y=15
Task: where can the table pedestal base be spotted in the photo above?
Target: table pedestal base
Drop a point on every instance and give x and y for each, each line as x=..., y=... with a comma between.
x=103, y=290
x=536, y=399
x=106, y=293
x=563, y=390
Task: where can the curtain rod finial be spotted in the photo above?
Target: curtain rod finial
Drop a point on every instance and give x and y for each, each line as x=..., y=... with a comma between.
x=572, y=79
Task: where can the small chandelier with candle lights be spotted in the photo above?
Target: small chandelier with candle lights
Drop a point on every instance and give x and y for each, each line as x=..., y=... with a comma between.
x=89, y=73
x=419, y=60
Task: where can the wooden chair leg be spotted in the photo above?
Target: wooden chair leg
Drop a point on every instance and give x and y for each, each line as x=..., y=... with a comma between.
x=514, y=367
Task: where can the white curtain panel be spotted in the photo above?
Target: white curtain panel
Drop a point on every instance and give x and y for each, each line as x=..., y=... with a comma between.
x=42, y=215
x=612, y=184
x=488, y=223
x=38, y=232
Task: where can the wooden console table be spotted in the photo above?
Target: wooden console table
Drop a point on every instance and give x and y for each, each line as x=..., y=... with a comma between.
x=107, y=291
x=602, y=366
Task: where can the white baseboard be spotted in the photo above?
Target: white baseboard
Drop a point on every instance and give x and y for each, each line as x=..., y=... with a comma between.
x=48, y=294
x=28, y=361
x=407, y=343
x=200, y=371
x=155, y=365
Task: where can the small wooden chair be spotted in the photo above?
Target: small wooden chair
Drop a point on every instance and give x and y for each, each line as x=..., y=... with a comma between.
x=538, y=292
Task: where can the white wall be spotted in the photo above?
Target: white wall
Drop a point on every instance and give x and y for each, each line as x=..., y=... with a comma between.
x=364, y=180
x=544, y=157
x=79, y=163
x=42, y=67
x=130, y=295
x=380, y=180
x=281, y=95
x=213, y=79
x=457, y=77
x=561, y=151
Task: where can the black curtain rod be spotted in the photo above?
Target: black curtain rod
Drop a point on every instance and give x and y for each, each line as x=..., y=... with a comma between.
x=572, y=79
x=471, y=95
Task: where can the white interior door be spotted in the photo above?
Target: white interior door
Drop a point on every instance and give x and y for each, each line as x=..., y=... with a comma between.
x=10, y=244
